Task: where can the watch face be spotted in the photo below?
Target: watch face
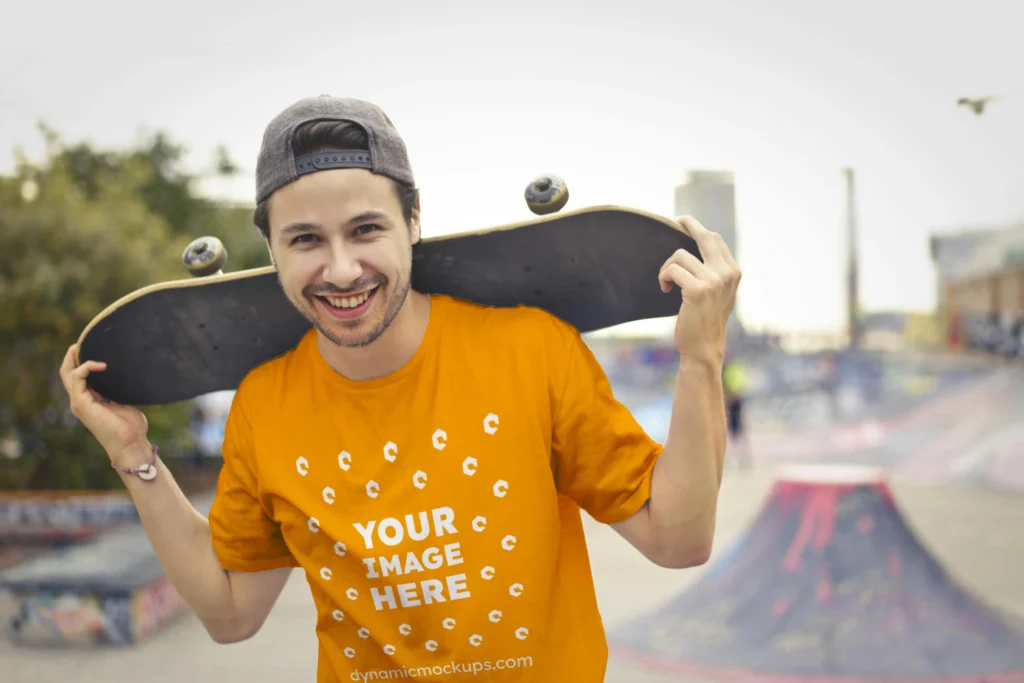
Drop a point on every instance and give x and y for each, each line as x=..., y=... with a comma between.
x=147, y=472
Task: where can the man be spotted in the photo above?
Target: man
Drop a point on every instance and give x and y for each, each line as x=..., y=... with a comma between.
x=424, y=460
x=734, y=382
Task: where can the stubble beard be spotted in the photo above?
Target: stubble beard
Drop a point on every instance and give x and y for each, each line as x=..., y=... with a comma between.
x=394, y=305
x=307, y=308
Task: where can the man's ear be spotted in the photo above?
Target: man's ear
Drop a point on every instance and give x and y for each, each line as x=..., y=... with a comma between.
x=414, y=223
x=270, y=252
x=266, y=236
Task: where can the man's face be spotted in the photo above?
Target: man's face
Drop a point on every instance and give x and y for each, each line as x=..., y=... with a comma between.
x=343, y=252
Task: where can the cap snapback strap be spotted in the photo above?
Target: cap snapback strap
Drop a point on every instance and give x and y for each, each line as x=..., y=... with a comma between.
x=325, y=160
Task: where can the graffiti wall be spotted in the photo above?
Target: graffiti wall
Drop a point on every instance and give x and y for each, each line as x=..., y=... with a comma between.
x=73, y=618
x=111, y=591
x=155, y=606
x=89, y=618
x=49, y=517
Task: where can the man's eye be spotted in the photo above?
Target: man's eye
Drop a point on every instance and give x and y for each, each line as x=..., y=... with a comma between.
x=306, y=238
x=367, y=228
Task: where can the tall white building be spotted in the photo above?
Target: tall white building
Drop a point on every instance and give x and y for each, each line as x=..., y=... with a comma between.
x=710, y=197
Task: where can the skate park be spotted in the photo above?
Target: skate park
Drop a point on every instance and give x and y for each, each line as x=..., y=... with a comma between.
x=865, y=174
x=842, y=553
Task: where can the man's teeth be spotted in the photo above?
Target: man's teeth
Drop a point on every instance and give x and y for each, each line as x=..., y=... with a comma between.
x=349, y=301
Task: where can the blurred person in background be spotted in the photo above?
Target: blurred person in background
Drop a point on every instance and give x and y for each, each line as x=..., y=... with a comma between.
x=734, y=384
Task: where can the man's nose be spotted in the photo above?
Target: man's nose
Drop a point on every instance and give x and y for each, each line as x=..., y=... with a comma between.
x=343, y=268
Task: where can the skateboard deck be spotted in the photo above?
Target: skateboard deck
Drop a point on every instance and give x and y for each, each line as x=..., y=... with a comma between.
x=594, y=268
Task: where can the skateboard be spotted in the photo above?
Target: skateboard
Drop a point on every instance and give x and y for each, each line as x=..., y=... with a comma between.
x=593, y=267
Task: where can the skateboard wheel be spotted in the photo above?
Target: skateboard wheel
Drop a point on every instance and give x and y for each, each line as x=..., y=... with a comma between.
x=204, y=256
x=546, y=194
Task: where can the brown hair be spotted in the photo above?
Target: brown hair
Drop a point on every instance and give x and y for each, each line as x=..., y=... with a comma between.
x=325, y=136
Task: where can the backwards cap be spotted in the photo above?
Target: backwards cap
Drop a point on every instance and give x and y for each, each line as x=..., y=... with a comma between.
x=277, y=164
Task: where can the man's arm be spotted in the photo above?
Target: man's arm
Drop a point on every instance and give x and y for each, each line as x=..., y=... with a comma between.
x=232, y=606
x=676, y=526
x=256, y=593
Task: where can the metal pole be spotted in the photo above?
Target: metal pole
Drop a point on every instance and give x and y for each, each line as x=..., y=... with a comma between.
x=852, y=299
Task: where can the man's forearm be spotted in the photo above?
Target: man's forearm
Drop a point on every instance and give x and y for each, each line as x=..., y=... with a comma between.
x=181, y=539
x=688, y=475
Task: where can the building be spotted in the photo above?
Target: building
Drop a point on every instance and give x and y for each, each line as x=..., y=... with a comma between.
x=710, y=197
x=980, y=286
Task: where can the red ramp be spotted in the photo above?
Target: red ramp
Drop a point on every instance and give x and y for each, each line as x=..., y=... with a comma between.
x=828, y=584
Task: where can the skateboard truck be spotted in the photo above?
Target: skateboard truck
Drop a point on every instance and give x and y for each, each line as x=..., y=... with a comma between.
x=205, y=256
x=546, y=194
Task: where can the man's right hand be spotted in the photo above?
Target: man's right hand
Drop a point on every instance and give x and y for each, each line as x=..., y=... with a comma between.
x=120, y=429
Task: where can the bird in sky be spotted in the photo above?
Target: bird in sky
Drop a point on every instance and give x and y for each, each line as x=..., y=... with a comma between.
x=977, y=105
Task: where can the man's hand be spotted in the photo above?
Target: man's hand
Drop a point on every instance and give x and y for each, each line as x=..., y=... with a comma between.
x=708, y=290
x=121, y=430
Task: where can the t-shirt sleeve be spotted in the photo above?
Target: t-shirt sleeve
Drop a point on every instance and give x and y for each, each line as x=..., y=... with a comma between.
x=603, y=459
x=245, y=538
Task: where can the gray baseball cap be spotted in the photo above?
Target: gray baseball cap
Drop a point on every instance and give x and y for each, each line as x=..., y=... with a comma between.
x=277, y=164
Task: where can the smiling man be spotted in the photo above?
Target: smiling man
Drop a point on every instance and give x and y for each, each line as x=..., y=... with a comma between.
x=425, y=460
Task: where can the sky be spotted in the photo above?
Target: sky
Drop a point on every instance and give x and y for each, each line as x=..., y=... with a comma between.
x=620, y=99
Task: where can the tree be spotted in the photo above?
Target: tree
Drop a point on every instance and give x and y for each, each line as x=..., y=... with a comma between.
x=169, y=192
x=79, y=230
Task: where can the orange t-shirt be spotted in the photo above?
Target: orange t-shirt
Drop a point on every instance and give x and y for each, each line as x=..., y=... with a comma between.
x=436, y=511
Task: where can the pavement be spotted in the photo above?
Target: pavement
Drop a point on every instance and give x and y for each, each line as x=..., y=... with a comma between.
x=974, y=531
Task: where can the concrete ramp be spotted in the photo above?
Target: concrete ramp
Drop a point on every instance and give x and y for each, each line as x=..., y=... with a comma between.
x=108, y=592
x=827, y=584
x=977, y=439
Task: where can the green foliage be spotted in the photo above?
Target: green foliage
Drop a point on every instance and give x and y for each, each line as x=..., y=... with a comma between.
x=78, y=231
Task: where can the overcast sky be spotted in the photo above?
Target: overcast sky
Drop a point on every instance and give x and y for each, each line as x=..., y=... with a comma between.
x=618, y=98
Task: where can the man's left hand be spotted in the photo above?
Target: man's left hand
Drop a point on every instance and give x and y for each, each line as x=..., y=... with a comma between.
x=708, y=291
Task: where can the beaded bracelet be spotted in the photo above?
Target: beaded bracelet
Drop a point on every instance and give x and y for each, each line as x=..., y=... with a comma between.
x=146, y=471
